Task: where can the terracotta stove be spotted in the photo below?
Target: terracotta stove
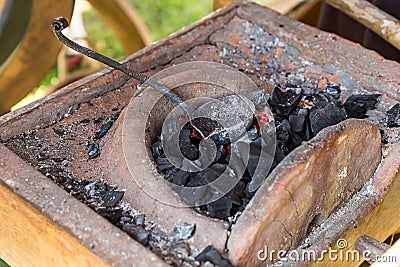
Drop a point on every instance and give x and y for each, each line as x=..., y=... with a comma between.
x=338, y=176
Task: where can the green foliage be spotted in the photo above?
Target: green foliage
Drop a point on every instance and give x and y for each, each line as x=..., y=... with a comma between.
x=100, y=37
x=164, y=17
x=3, y=264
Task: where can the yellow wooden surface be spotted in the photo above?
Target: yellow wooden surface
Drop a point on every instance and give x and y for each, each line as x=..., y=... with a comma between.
x=280, y=6
x=127, y=25
x=35, y=55
x=37, y=242
x=2, y=2
x=307, y=12
x=379, y=224
x=221, y=3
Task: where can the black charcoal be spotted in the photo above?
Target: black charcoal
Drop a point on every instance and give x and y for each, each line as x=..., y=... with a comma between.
x=103, y=129
x=93, y=150
x=137, y=232
x=139, y=219
x=113, y=215
x=60, y=132
x=183, y=231
x=74, y=108
x=210, y=254
x=42, y=156
x=284, y=102
x=220, y=209
x=189, y=149
x=98, y=120
x=322, y=117
x=357, y=105
x=299, y=116
x=333, y=90
x=393, y=116
x=297, y=122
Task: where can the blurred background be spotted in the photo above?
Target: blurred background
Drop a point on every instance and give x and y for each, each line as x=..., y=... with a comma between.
x=33, y=64
x=160, y=18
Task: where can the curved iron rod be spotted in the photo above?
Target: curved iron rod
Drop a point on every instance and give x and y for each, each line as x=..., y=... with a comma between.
x=60, y=23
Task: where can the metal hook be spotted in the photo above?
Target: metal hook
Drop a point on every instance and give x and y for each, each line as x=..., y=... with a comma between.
x=60, y=23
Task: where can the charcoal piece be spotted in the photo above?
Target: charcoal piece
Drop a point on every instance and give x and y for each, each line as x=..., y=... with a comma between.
x=205, y=125
x=220, y=209
x=157, y=150
x=207, y=175
x=393, y=116
x=178, y=177
x=199, y=179
x=320, y=99
x=297, y=122
x=254, y=155
x=182, y=232
x=164, y=165
x=356, y=106
x=93, y=150
x=259, y=101
x=139, y=219
x=213, y=256
x=60, y=132
x=283, y=131
x=110, y=198
x=236, y=194
x=137, y=232
x=84, y=121
x=57, y=160
x=103, y=130
x=101, y=194
x=98, y=120
x=284, y=102
x=42, y=156
x=113, y=215
x=333, y=90
x=295, y=140
x=332, y=99
x=253, y=133
x=125, y=219
x=74, y=108
x=188, y=148
x=220, y=137
x=321, y=118
x=289, y=139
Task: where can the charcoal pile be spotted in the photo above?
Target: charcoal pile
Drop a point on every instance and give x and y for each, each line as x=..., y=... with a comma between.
x=298, y=116
x=171, y=246
x=189, y=140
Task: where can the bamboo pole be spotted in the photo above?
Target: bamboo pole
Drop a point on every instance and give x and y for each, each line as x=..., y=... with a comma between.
x=383, y=24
